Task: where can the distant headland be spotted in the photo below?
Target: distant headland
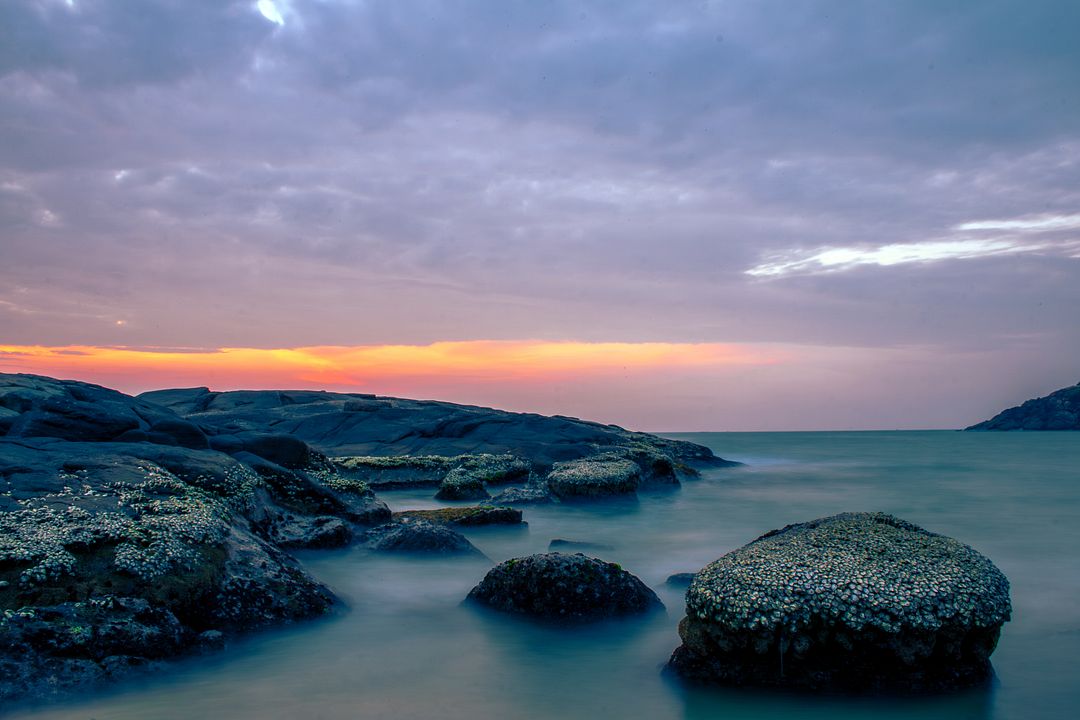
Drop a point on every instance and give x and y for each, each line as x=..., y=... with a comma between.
x=1059, y=410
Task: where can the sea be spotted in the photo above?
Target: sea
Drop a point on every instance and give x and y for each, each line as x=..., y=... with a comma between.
x=404, y=645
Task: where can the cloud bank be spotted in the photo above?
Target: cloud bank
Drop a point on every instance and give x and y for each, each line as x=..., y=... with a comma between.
x=325, y=172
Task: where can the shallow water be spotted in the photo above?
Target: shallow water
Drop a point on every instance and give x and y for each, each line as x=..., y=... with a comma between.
x=407, y=648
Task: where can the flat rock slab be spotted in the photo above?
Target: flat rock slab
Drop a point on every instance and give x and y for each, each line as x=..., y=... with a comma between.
x=858, y=601
x=565, y=588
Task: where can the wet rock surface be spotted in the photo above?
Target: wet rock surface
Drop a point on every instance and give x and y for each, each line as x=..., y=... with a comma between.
x=857, y=601
x=563, y=587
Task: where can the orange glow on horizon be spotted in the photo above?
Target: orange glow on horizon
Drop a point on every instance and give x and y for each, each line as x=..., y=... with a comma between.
x=369, y=368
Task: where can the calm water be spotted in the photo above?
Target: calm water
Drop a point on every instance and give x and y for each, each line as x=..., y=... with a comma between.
x=408, y=649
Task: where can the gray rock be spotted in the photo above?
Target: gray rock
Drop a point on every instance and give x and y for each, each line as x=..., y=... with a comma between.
x=680, y=579
x=351, y=425
x=594, y=477
x=461, y=484
x=858, y=601
x=528, y=495
x=566, y=588
x=413, y=535
x=473, y=516
x=562, y=545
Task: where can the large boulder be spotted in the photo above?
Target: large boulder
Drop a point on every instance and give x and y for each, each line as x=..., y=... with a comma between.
x=595, y=477
x=161, y=528
x=857, y=601
x=561, y=587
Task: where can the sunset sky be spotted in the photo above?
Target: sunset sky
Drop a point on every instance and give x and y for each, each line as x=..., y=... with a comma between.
x=732, y=215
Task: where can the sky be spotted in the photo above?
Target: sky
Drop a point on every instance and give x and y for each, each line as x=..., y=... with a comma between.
x=730, y=215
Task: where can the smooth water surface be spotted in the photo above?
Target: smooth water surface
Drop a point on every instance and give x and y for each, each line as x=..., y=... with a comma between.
x=407, y=648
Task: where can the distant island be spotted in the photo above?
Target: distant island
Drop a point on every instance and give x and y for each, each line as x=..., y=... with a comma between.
x=1059, y=410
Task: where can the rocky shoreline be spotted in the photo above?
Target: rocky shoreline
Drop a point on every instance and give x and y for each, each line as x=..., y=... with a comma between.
x=134, y=530
x=137, y=529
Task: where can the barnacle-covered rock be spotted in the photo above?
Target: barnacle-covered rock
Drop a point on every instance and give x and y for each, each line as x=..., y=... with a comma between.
x=857, y=601
x=84, y=522
x=599, y=476
x=562, y=587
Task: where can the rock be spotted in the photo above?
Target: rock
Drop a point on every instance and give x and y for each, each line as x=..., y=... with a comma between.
x=461, y=484
x=562, y=545
x=322, y=531
x=69, y=410
x=1059, y=410
x=570, y=588
x=680, y=579
x=595, y=477
x=422, y=470
x=858, y=601
x=466, y=516
x=79, y=644
x=412, y=535
x=354, y=425
x=528, y=495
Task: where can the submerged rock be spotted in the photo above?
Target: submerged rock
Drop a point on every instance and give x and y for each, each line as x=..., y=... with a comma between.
x=680, y=579
x=412, y=535
x=473, y=516
x=557, y=586
x=858, y=601
x=595, y=477
x=563, y=545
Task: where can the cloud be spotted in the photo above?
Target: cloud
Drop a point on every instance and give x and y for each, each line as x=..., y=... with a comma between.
x=372, y=173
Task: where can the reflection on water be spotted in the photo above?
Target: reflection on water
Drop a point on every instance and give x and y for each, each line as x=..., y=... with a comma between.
x=408, y=648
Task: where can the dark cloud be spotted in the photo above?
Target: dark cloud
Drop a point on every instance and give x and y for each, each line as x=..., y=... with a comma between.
x=192, y=174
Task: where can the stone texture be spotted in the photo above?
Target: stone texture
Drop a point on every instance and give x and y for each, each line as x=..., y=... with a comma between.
x=561, y=587
x=473, y=516
x=595, y=477
x=413, y=535
x=858, y=601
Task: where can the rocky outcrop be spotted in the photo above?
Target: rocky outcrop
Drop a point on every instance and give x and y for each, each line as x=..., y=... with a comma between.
x=415, y=535
x=474, y=516
x=355, y=425
x=596, y=477
x=1057, y=411
x=858, y=601
x=170, y=514
x=565, y=588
